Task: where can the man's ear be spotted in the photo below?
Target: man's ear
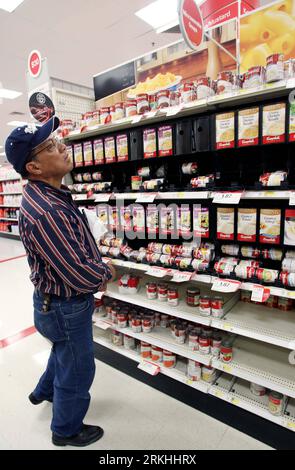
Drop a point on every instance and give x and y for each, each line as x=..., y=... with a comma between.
x=33, y=168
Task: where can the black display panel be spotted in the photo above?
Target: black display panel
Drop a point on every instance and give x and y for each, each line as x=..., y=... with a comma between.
x=117, y=79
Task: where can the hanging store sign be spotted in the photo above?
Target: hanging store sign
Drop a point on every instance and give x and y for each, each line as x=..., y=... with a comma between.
x=191, y=23
x=35, y=63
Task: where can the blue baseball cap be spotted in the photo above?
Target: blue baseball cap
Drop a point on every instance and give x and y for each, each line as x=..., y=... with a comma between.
x=23, y=140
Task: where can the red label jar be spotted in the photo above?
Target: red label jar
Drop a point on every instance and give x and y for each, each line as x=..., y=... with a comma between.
x=275, y=403
x=153, y=102
x=179, y=334
x=173, y=297
x=119, y=111
x=136, y=324
x=193, y=340
x=204, y=343
x=217, y=304
x=216, y=341
x=205, y=305
x=130, y=107
x=142, y=102
x=188, y=93
x=147, y=325
x=157, y=354
x=169, y=359
x=151, y=290
x=163, y=99
x=163, y=292
x=193, y=297
x=122, y=318
x=226, y=351
x=104, y=115
x=145, y=350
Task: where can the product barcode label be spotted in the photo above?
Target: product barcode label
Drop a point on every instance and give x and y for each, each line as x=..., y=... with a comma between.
x=181, y=276
x=225, y=285
x=227, y=198
x=150, y=197
x=157, y=272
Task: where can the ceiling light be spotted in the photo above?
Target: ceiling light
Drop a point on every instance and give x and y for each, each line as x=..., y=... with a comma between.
x=10, y=5
x=9, y=94
x=159, y=13
x=16, y=123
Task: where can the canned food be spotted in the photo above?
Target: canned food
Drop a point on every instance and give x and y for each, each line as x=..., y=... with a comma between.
x=204, y=343
x=217, y=304
x=194, y=370
x=275, y=403
x=173, y=297
x=188, y=93
x=189, y=168
x=130, y=107
x=205, y=305
x=223, y=268
x=151, y=290
x=163, y=292
x=226, y=351
x=122, y=319
x=204, y=88
x=225, y=83
x=193, y=297
x=244, y=272
x=179, y=333
x=147, y=325
x=142, y=102
x=153, y=102
x=145, y=350
x=285, y=304
x=164, y=321
x=216, y=344
x=183, y=263
x=180, y=250
x=97, y=176
x=119, y=111
x=157, y=354
x=136, y=183
x=169, y=359
x=104, y=115
x=232, y=250
x=274, y=68
x=267, y=275
x=257, y=390
x=200, y=265
x=136, y=324
x=250, y=252
x=175, y=97
x=117, y=338
x=193, y=340
x=129, y=342
x=163, y=99
x=208, y=374
x=144, y=172
x=272, y=301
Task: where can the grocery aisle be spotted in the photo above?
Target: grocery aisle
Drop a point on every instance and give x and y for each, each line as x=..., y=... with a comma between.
x=133, y=415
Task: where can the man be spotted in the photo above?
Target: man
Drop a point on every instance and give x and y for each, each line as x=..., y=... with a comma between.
x=66, y=270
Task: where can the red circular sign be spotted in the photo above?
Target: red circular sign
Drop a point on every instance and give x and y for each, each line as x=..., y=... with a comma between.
x=191, y=23
x=34, y=63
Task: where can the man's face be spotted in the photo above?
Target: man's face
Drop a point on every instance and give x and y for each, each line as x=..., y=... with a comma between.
x=50, y=160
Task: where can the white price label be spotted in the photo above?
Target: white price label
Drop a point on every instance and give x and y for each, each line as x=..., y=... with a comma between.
x=103, y=325
x=181, y=276
x=149, y=197
x=149, y=367
x=292, y=198
x=257, y=294
x=291, y=83
x=102, y=197
x=173, y=110
x=227, y=197
x=157, y=272
x=201, y=278
x=80, y=197
x=151, y=114
x=99, y=295
x=105, y=259
x=137, y=119
x=226, y=285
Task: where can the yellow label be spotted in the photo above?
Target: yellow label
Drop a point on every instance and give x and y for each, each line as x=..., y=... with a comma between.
x=180, y=195
x=189, y=382
x=235, y=401
x=227, y=326
x=219, y=394
x=227, y=368
x=291, y=294
x=290, y=425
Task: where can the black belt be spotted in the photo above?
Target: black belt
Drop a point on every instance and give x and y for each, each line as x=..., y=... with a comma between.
x=47, y=299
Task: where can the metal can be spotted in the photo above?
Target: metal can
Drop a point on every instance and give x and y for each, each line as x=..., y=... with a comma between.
x=285, y=304
x=217, y=304
x=97, y=176
x=163, y=292
x=272, y=301
x=136, y=324
x=169, y=359
x=179, y=333
x=173, y=297
x=153, y=102
x=129, y=342
x=163, y=99
x=205, y=305
x=257, y=390
x=208, y=374
x=193, y=297
x=267, y=275
x=151, y=290
x=189, y=168
x=193, y=339
x=147, y=325
x=117, y=338
x=204, y=343
x=226, y=351
x=122, y=319
x=145, y=350
x=164, y=320
x=130, y=107
x=104, y=115
x=144, y=172
x=157, y=354
x=188, y=93
x=246, y=295
x=157, y=319
x=274, y=68
x=136, y=183
x=204, y=88
x=216, y=344
x=194, y=370
x=119, y=111
x=143, y=105
x=225, y=83
x=275, y=403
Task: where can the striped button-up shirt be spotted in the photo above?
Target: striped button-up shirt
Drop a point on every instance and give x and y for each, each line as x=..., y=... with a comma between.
x=62, y=253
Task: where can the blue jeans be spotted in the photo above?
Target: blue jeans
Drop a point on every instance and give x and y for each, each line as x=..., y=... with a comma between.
x=71, y=368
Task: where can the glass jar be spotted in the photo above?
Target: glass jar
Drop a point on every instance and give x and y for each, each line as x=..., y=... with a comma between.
x=205, y=305
x=173, y=297
x=226, y=351
x=193, y=297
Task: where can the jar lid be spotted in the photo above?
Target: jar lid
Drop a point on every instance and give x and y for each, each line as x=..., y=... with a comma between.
x=218, y=297
x=193, y=291
x=217, y=336
x=227, y=343
x=276, y=395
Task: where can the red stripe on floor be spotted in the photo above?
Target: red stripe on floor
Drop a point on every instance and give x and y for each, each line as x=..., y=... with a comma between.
x=11, y=259
x=17, y=337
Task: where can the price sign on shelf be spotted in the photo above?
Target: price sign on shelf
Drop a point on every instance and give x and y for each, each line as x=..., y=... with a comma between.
x=157, y=272
x=103, y=325
x=181, y=276
x=173, y=110
x=225, y=285
x=99, y=295
x=80, y=197
x=149, y=367
x=151, y=114
x=149, y=197
x=292, y=198
x=137, y=119
x=260, y=294
x=227, y=197
x=102, y=197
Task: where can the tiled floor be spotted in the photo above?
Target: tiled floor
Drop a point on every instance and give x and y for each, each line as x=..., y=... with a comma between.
x=133, y=415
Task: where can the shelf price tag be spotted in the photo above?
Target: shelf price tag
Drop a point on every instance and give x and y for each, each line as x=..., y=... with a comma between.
x=227, y=369
x=102, y=197
x=137, y=119
x=151, y=114
x=291, y=425
x=260, y=294
x=105, y=259
x=292, y=198
x=149, y=197
x=181, y=276
x=225, y=285
x=201, y=278
x=99, y=295
x=227, y=197
x=157, y=272
x=173, y=110
x=102, y=325
x=235, y=401
x=149, y=368
x=80, y=197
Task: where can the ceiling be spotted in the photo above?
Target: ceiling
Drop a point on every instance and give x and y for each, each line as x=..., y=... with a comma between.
x=79, y=38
